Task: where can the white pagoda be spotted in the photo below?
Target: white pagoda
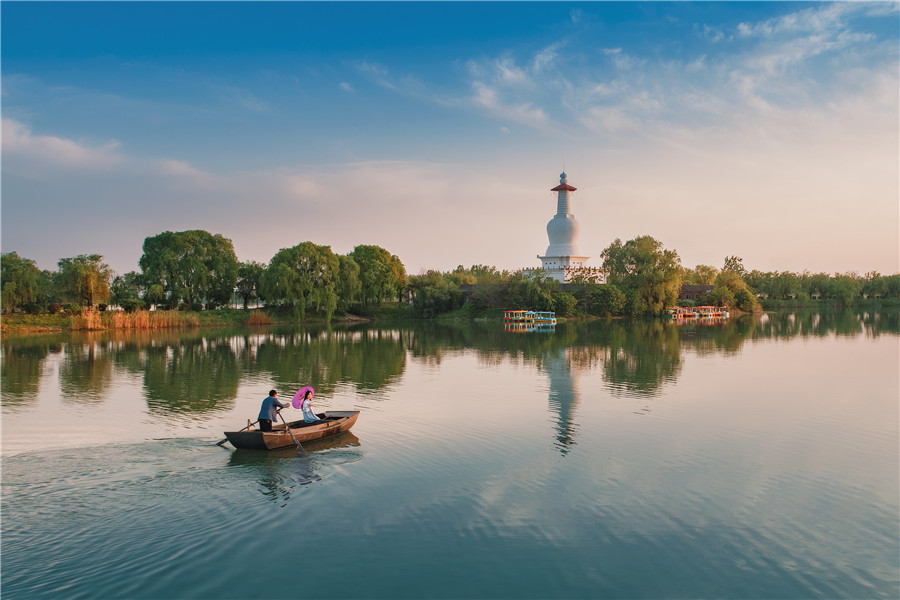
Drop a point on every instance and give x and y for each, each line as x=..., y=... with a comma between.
x=563, y=260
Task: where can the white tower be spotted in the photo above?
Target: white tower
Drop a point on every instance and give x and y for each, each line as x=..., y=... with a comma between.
x=563, y=256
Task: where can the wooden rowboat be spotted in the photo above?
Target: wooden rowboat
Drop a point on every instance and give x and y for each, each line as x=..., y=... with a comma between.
x=335, y=422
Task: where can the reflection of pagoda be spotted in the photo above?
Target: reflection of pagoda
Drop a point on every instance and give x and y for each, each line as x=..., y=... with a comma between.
x=563, y=398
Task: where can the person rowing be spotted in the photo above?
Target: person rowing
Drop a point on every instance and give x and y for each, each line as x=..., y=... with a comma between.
x=268, y=412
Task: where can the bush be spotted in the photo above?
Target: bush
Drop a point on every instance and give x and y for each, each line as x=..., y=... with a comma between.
x=72, y=309
x=54, y=308
x=130, y=305
x=744, y=300
x=564, y=303
x=606, y=300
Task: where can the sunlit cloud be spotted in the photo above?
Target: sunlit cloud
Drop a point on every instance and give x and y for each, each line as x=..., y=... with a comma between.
x=24, y=150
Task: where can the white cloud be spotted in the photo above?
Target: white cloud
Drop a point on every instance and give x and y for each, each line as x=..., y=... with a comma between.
x=545, y=58
x=345, y=86
x=524, y=114
x=24, y=150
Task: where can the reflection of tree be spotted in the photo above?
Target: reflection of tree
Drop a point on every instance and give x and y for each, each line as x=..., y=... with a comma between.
x=86, y=371
x=638, y=355
x=716, y=337
x=819, y=323
x=193, y=376
x=370, y=358
x=21, y=367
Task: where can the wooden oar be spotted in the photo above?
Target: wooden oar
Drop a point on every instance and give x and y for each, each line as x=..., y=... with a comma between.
x=249, y=425
x=291, y=432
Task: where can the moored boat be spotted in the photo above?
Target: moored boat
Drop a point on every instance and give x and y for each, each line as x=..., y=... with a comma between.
x=335, y=422
x=518, y=316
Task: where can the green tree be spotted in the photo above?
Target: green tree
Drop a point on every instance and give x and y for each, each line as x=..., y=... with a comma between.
x=195, y=267
x=84, y=278
x=649, y=275
x=127, y=287
x=23, y=283
x=734, y=263
x=381, y=274
x=249, y=278
x=303, y=277
x=606, y=300
x=701, y=275
x=348, y=285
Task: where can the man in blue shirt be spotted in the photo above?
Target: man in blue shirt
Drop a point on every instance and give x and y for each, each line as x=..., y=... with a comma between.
x=269, y=411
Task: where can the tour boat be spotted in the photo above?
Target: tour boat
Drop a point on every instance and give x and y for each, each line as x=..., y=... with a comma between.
x=678, y=313
x=711, y=312
x=545, y=317
x=335, y=422
x=518, y=316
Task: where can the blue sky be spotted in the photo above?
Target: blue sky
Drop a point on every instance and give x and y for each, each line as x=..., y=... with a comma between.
x=765, y=130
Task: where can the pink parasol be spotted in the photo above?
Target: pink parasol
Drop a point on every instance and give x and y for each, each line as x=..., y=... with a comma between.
x=297, y=402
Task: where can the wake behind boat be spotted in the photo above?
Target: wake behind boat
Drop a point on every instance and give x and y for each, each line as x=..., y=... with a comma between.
x=335, y=422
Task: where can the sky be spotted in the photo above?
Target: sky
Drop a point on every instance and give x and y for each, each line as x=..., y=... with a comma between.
x=764, y=130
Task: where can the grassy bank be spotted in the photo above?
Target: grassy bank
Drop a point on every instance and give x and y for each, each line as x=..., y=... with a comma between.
x=23, y=324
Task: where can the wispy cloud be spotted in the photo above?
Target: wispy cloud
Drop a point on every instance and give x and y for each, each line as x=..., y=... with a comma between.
x=22, y=149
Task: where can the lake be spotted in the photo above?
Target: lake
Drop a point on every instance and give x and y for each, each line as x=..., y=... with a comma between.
x=755, y=458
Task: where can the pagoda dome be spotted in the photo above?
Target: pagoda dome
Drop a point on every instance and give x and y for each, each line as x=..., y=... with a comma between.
x=563, y=233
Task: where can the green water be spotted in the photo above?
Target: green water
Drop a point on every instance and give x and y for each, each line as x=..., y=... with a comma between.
x=630, y=459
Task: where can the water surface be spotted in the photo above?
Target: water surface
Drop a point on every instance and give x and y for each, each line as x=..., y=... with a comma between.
x=630, y=459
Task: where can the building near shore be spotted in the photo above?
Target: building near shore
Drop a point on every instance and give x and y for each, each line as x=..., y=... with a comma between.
x=563, y=260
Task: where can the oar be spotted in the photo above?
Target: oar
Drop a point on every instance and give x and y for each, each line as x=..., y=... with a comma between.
x=291, y=432
x=249, y=425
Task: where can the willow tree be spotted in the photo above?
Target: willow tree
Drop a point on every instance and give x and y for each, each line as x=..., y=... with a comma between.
x=191, y=266
x=84, y=278
x=381, y=274
x=303, y=277
x=649, y=275
x=23, y=283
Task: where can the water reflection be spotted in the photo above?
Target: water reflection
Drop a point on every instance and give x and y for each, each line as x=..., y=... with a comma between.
x=280, y=473
x=199, y=372
x=22, y=366
x=564, y=368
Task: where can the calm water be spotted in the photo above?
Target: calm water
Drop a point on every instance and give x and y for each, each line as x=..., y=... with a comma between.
x=755, y=459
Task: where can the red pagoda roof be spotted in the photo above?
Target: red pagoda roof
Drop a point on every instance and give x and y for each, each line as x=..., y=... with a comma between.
x=563, y=186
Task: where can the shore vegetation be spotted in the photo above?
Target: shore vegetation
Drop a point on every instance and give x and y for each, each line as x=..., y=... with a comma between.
x=193, y=279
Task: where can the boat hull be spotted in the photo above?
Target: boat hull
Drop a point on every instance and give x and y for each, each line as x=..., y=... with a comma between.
x=335, y=422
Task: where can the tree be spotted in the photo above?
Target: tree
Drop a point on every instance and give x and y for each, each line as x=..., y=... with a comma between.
x=381, y=274
x=23, y=283
x=731, y=291
x=734, y=263
x=249, y=278
x=127, y=287
x=348, y=285
x=606, y=300
x=303, y=277
x=84, y=278
x=649, y=275
x=195, y=267
x=701, y=275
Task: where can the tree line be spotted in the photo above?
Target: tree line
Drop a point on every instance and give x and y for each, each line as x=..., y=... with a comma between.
x=197, y=270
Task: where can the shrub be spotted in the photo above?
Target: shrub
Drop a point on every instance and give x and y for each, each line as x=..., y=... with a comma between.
x=131, y=304
x=258, y=317
x=54, y=308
